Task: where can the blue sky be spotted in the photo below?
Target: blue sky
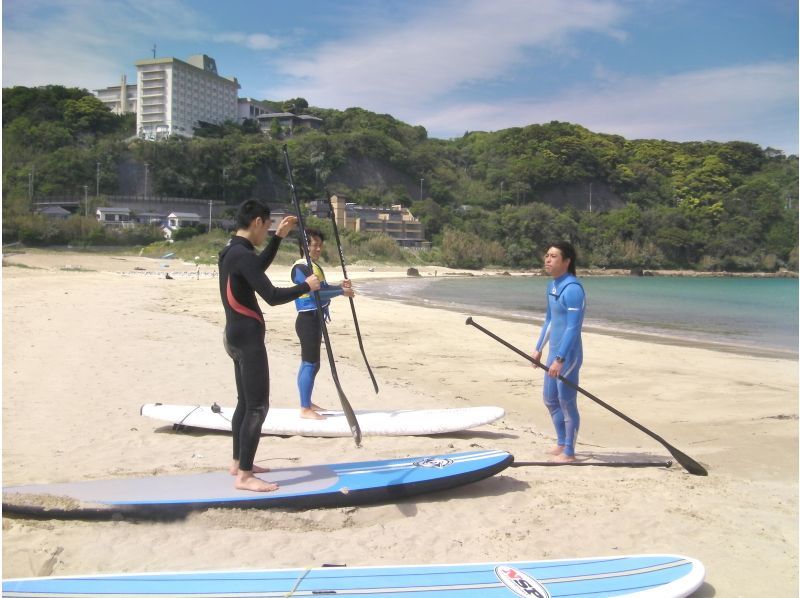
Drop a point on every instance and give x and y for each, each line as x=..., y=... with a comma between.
x=671, y=69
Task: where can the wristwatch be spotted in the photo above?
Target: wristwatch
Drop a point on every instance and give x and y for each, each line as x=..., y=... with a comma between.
x=559, y=359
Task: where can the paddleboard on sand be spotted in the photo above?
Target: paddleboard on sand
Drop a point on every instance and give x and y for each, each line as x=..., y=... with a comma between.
x=643, y=576
x=313, y=486
x=287, y=422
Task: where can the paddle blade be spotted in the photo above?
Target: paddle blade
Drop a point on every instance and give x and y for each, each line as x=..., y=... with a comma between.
x=689, y=464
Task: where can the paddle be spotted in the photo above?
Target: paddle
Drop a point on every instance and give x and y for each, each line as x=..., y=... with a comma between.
x=685, y=460
x=348, y=410
x=352, y=303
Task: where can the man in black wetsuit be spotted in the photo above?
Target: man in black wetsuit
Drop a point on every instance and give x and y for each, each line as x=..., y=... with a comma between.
x=241, y=276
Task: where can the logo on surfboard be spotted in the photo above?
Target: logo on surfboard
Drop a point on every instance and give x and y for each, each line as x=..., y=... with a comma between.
x=520, y=583
x=438, y=462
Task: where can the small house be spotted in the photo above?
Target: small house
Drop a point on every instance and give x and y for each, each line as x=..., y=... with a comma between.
x=114, y=216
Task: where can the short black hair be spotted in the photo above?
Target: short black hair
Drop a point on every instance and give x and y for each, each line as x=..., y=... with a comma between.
x=310, y=232
x=567, y=252
x=249, y=210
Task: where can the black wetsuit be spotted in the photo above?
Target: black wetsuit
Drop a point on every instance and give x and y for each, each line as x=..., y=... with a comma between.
x=241, y=276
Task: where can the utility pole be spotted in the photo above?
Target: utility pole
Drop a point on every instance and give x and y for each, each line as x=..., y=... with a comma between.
x=146, y=166
x=590, y=198
x=32, y=182
x=97, y=190
x=420, y=188
x=209, y=215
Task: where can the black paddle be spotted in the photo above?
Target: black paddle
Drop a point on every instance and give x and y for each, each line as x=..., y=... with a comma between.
x=352, y=303
x=348, y=410
x=685, y=460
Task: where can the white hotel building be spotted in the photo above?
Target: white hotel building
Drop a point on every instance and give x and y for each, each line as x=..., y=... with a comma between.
x=173, y=96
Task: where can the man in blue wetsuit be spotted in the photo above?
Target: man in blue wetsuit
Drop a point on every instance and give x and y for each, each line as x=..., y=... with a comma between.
x=241, y=276
x=566, y=303
x=307, y=324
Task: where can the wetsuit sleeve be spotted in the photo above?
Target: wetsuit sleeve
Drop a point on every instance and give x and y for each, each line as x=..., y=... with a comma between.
x=270, y=251
x=327, y=292
x=261, y=284
x=574, y=300
x=299, y=273
x=544, y=336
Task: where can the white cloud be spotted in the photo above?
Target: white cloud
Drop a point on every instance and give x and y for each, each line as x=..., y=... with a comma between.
x=442, y=49
x=254, y=41
x=90, y=43
x=418, y=69
x=755, y=103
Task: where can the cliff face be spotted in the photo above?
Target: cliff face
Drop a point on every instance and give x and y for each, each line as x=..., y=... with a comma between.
x=360, y=172
x=577, y=195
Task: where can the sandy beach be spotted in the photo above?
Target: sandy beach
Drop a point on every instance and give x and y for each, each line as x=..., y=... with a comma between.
x=88, y=339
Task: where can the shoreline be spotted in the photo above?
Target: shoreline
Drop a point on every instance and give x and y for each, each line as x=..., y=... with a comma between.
x=13, y=249
x=595, y=328
x=645, y=337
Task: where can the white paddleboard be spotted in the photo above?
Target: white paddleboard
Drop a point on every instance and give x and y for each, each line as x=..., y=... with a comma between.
x=287, y=422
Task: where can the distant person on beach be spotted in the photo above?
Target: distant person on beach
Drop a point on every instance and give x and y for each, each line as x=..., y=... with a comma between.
x=307, y=324
x=241, y=276
x=566, y=303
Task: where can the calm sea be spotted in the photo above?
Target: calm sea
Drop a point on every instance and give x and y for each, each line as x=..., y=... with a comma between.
x=747, y=313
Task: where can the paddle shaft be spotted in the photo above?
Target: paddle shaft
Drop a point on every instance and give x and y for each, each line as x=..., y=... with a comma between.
x=685, y=460
x=346, y=408
x=352, y=303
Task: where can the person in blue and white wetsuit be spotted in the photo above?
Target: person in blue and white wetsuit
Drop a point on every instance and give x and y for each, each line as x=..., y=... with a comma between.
x=566, y=304
x=307, y=324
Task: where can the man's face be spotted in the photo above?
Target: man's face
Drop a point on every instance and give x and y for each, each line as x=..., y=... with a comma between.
x=314, y=247
x=554, y=263
x=261, y=230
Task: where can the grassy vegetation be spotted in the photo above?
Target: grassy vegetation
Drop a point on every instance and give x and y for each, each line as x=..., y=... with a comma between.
x=358, y=250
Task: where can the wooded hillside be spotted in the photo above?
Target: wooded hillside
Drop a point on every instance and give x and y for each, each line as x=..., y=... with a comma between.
x=501, y=197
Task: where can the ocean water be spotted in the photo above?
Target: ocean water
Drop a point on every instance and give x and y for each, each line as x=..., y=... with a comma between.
x=751, y=314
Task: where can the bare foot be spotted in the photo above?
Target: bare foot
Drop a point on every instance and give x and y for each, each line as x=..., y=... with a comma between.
x=562, y=458
x=316, y=407
x=310, y=414
x=245, y=480
x=556, y=450
x=256, y=468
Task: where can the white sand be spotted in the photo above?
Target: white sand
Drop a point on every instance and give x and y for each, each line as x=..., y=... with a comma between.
x=84, y=348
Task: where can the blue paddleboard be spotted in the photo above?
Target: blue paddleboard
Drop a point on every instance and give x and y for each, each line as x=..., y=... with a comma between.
x=313, y=486
x=643, y=576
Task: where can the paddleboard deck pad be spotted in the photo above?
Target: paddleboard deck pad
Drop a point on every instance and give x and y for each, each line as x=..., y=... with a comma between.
x=287, y=422
x=643, y=576
x=335, y=485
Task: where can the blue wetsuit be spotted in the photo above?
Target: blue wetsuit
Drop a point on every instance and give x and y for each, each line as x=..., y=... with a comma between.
x=308, y=328
x=566, y=303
